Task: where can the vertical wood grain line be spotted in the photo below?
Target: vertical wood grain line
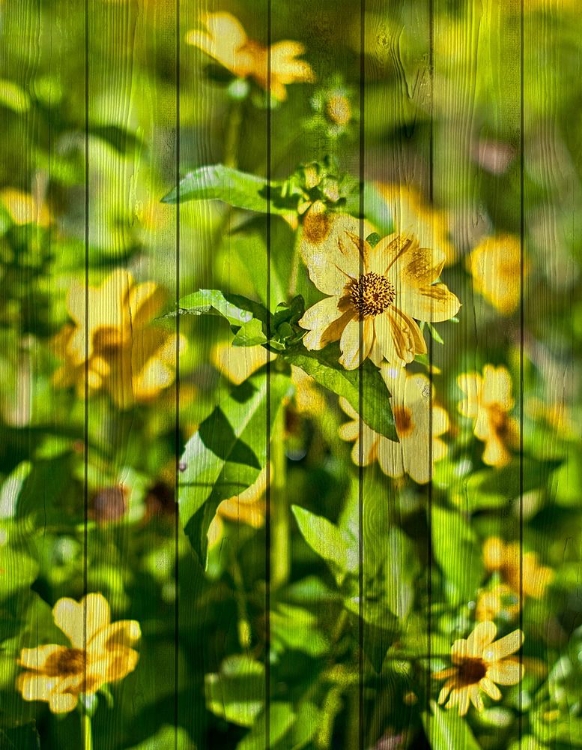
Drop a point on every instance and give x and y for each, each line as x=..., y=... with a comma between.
x=268, y=412
x=361, y=591
x=429, y=508
x=521, y=330
x=86, y=385
x=177, y=393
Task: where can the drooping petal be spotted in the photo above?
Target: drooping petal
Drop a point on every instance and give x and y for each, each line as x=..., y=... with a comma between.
x=475, y=697
x=36, y=687
x=390, y=458
x=325, y=323
x=122, y=661
x=505, y=646
x=62, y=703
x=120, y=633
x=406, y=336
x=431, y=303
x=79, y=621
x=506, y=672
x=36, y=658
x=497, y=387
x=490, y=688
x=355, y=342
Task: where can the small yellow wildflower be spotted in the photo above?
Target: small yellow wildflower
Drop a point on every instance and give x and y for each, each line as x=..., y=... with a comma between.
x=24, y=208
x=411, y=214
x=519, y=570
x=488, y=401
x=100, y=653
x=500, y=601
x=226, y=41
x=479, y=664
x=495, y=265
x=419, y=425
x=375, y=294
x=116, y=349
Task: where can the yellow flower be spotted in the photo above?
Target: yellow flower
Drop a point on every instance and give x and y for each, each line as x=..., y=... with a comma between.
x=413, y=410
x=24, y=208
x=411, y=215
x=501, y=600
x=248, y=508
x=226, y=41
x=519, y=570
x=100, y=653
x=116, y=349
x=479, y=664
x=375, y=294
x=495, y=265
x=488, y=401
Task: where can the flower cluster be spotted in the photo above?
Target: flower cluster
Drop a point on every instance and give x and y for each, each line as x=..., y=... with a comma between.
x=111, y=344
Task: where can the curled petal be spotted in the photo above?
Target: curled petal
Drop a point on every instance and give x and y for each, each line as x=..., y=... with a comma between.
x=431, y=303
x=355, y=342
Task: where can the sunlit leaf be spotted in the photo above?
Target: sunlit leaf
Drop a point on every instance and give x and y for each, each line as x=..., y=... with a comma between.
x=218, y=182
x=447, y=730
x=237, y=692
x=226, y=454
x=364, y=388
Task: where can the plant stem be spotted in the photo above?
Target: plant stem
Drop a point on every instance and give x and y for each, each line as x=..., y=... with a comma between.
x=280, y=549
x=232, y=136
x=86, y=730
x=244, y=627
x=293, y=276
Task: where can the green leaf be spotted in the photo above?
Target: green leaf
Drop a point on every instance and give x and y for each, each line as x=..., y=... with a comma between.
x=324, y=368
x=13, y=97
x=280, y=720
x=457, y=553
x=227, y=453
x=337, y=548
x=250, y=334
x=236, y=309
x=19, y=570
x=447, y=730
x=237, y=692
x=218, y=182
x=167, y=738
x=296, y=629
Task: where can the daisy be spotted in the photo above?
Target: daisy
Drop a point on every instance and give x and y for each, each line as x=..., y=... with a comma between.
x=99, y=653
x=375, y=294
x=419, y=433
x=488, y=401
x=272, y=68
x=479, y=663
x=519, y=570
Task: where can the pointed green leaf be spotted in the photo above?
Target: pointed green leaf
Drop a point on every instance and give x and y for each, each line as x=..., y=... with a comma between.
x=447, y=730
x=336, y=547
x=218, y=182
x=227, y=453
x=324, y=368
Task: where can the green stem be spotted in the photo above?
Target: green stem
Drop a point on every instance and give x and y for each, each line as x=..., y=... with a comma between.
x=280, y=517
x=232, y=136
x=244, y=627
x=294, y=275
x=86, y=729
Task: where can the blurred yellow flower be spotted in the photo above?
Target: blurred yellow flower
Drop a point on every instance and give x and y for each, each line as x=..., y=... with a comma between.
x=500, y=601
x=495, y=265
x=274, y=67
x=480, y=663
x=248, y=508
x=237, y=363
x=375, y=294
x=488, y=401
x=519, y=570
x=411, y=215
x=111, y=344
x=419, y=425
x=100, y=653
x=23, y=208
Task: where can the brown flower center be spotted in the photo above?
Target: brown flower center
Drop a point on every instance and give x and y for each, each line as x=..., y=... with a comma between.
x=67, y=662
x=371, y=294
x=471, y=670
x=403, y=421
x=498, y=421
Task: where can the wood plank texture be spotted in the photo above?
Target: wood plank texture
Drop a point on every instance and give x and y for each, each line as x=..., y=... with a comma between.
x=290, y=331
